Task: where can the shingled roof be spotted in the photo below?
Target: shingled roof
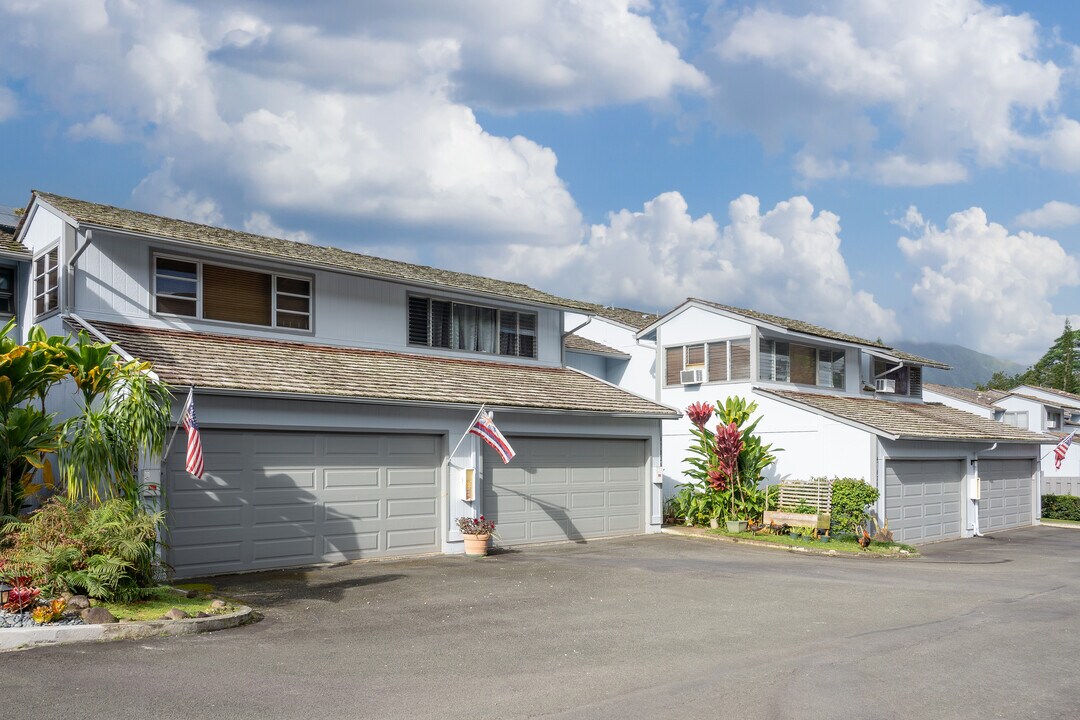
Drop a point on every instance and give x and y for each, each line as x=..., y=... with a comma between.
x=806, y=328
x=909, y=420
x=228, y=362
x=108, y=216
x=636, y=319
x=583, y=344
x=982, y=398
x=8, y=245
x=1066, y=397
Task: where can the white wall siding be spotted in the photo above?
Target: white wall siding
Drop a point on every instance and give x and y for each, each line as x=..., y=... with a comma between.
x=638, y=374
x=595, y=365
x=114, y=280
x=695, y=325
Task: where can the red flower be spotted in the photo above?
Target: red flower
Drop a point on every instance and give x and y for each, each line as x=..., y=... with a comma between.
x=717, y=480
x=729, y=444
x=699, y=413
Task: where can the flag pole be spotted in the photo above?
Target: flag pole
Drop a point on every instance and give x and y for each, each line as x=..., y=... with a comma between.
x=471, y=422
x=165, y=455
x=1073, y=433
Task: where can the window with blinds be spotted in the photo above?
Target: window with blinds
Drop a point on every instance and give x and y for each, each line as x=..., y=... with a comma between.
x=472, y=328
x=800, y=364
x=228, y=294
x=723, y=361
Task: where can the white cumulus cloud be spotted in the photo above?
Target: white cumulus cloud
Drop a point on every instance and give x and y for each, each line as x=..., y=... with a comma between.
x=988, y=288
x=908, y=93
x=786, y=260
x=1054, y=214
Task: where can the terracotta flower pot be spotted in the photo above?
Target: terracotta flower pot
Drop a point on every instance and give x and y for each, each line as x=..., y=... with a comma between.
x=477, y=545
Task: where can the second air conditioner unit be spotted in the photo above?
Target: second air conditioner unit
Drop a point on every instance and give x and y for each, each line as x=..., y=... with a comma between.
x=885, y=385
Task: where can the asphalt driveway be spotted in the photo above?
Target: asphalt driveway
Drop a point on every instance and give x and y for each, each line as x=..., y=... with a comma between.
x=655, y=626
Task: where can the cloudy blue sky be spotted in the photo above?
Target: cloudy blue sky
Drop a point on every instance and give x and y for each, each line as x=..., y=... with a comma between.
x=895, y=169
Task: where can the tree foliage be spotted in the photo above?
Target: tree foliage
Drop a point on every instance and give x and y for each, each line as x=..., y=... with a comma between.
x=1058, y=368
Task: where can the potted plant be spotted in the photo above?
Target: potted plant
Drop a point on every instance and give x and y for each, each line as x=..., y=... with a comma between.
x=477, y=533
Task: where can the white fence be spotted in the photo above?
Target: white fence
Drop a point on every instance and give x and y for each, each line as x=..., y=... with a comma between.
x=1061, y=486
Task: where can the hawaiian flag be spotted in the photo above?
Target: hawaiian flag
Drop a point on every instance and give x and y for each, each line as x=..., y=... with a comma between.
x=485, y=428
x=194, y=441
x=1062, y=448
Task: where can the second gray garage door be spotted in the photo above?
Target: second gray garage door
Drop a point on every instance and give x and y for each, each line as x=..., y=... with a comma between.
x=566, y=489
x=277, y=499
x=922, y=499
x=1006, y=494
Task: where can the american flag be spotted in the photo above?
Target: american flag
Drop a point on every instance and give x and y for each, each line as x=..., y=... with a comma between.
x=485, y=428
x=194, y=441
x=1062, y=448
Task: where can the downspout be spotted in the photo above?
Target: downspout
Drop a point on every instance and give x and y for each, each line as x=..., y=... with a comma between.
x=70, y=281
x=977, y=490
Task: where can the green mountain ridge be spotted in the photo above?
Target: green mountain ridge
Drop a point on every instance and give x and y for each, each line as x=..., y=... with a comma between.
x=970, y=367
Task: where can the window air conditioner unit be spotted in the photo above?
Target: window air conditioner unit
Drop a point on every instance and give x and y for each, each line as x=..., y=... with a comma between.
x=885, y=385
x=692, y=377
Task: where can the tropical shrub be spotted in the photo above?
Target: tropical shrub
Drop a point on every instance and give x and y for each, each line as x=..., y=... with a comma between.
x=105, y=550
x=725, y=465
x=851, y=500
x=124, y=412
x=1061, y=507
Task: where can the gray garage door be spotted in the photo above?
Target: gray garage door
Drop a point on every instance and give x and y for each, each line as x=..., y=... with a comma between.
x=276, y=499
x=1006, y=494
x=922, y=499
x=566, y=489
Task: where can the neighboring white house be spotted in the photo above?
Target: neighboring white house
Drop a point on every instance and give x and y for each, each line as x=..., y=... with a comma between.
x=1038, y=409
x=332, y=387
x=14, y=269
x=844, y=406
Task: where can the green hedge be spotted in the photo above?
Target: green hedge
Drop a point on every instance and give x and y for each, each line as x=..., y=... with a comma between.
x=851, y=500
x=1061, y=507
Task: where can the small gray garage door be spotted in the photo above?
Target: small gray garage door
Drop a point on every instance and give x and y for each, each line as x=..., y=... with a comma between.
x=566, y=489
x=1006, y=494
x=277, y=499
x=922, y=499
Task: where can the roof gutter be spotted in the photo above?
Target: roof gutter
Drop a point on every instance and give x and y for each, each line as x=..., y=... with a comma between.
x=203, y=390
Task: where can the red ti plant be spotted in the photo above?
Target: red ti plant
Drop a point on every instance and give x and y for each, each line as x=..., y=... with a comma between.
x=21, y=595
x=729, y=444
x=699, y=414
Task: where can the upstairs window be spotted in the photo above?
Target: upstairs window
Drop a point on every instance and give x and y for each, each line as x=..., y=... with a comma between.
x=801, y=364
x=720, y=361
x=472, y=328
x=228, y=294
x=1053, y=421
x=46, y=282
x=1016, y=419
x=908, y=379
x=7, y=291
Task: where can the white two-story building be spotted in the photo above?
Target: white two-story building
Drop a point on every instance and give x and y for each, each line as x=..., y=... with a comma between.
x=332, y=389
x=838, y=405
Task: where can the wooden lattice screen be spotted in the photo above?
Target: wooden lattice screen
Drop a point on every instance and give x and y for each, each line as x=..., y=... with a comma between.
x=816, y=493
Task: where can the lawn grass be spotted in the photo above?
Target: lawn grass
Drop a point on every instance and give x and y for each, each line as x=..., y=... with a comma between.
x=1065, y=522
x=154, y=607
x=838, y=544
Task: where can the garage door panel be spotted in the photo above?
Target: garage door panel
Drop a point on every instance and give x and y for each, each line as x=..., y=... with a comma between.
x=566, y=488
x=922, y=499
x=299, y=498
x=1006, y=487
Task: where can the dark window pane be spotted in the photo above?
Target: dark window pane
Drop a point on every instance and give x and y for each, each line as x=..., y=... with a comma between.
x=508, y=333
x=782, y=362
x=177, y=268
x=290, y=320
x=296, y=304
x=7, y=280
x=418, y=321
x=441, y=322
x=175, y=306
x=294, y=286
x=169, y=286
x=527, y=346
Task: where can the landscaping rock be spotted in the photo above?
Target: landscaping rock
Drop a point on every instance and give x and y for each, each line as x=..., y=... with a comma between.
x=219, y=605
x=175, y=614
x=202, y=614
x=78, y=603
x=97, y=616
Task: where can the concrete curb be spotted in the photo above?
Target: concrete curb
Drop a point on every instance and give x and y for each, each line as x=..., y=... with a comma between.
x=827, y=552
x=1051, y=523
x=24, y=638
